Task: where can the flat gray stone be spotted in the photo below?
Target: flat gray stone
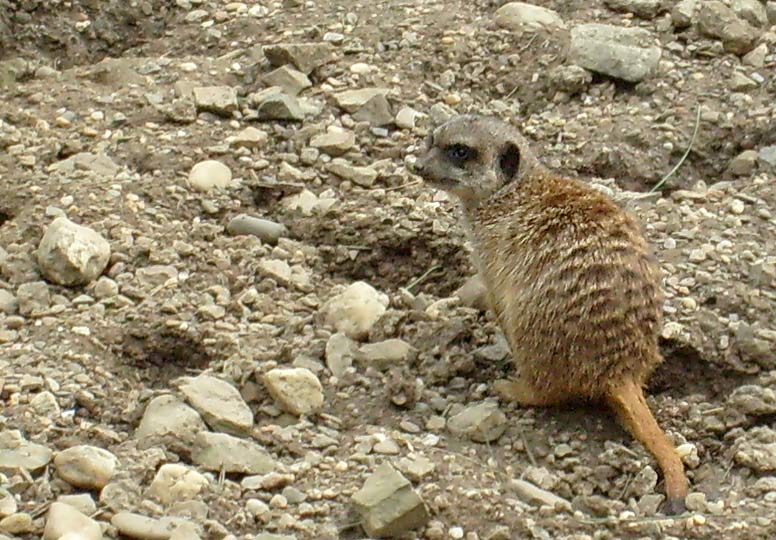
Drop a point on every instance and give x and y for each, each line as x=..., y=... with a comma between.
x=303, y=56
x=221, y=100
x=169, y=416
x=216, y=451
x=340, y=351
x=766, y=157
x=756, y=57
x=16, y=453
x=743, y=164
x=219, y=403
x=273, y=104
x=630, y=54
x=532, y=494
x=415, y=466
x=292, y=82
x=386, y=354
x=684, y=12
x=741, y=83
x=99, y=164
x=9, y=304
x=276, y=269
x=249, y=137
x=362, y=176
x=352, y=100
x=482, y=422
x=752, y=11
x=770, y=10
x=376, y=112
x=71, y=254
x=388, y=505
x=717, y=20
x=334, y=143
x=34, y=297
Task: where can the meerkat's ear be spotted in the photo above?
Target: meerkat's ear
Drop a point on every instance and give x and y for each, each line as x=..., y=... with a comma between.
x=509, y=160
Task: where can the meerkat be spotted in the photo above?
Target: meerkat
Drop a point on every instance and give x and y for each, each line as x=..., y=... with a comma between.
x=569, y=275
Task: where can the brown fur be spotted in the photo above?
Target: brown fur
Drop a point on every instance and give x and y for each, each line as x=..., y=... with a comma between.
x=569, y=276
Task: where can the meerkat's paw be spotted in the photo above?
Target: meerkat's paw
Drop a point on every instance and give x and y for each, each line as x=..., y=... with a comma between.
x=519, y=392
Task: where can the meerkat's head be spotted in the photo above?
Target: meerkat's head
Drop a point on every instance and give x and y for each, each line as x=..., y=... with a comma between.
x=474, y=156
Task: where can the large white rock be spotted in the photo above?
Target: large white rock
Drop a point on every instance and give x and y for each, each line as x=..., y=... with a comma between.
x=219, y=403
x=175, y=482
x=209, y=174
x=64, y=520
x=356, y=310
x=297, y=390
x=70, y=254
x=519, y=16
x=217, y=451
x=86, y=466
x=168, y=416
x=630, y=54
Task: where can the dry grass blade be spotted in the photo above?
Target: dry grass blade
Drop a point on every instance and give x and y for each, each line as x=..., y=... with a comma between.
x=686, y=153
x=419, y=280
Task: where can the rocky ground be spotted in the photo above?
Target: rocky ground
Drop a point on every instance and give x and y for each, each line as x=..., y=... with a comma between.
x=228, y=310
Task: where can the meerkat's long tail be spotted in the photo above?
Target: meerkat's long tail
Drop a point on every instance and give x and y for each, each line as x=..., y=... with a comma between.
x=627, y=399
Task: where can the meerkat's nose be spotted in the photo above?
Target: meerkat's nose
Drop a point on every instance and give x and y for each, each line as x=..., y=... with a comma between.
x=418, y=166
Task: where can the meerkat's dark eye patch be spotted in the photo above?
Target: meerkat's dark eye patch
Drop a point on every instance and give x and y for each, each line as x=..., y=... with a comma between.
x=460, y=153
x=509, y=161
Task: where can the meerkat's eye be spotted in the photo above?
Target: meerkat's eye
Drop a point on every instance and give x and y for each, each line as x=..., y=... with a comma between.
x=460, y=153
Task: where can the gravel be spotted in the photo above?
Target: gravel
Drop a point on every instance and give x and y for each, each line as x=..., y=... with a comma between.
x=253, y=312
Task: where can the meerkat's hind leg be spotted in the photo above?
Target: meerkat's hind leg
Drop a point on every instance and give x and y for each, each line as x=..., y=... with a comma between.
x=627, y=399
x=519, y=391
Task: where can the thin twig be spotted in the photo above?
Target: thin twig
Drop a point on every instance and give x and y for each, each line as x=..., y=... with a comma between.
x=687, y=152
x=628, y=482
x=408, y=184
x=528, y=451
x=421, y=278
x=40, y=510
x=530, y=42
x=614, y=520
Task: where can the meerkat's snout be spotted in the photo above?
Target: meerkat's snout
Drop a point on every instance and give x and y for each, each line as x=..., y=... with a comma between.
x=419, y=165
x=444, y=165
